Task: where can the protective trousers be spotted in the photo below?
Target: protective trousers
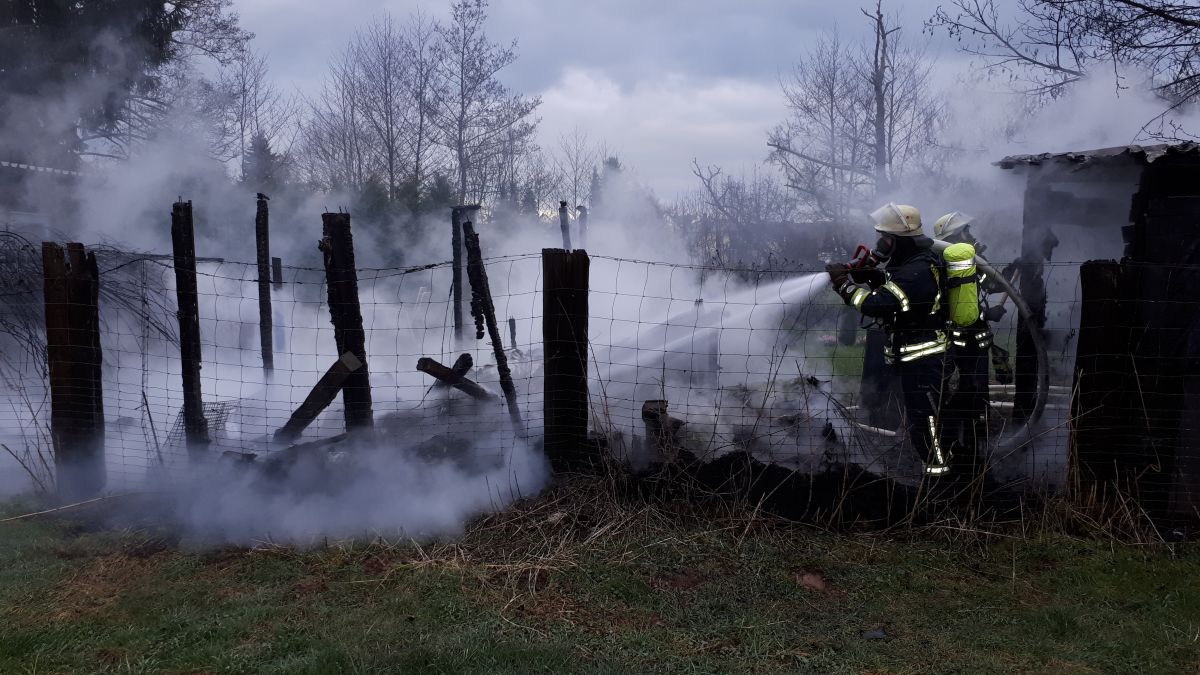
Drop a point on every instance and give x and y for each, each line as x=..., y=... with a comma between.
x=921, y=382
x=965, y=410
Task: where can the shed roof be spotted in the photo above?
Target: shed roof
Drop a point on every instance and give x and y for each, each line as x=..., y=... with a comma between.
x=1139, y=153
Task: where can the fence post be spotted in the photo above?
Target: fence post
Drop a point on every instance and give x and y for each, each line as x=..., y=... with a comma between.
x=74, y=358
x=565, y=225
x=481, y=304
x=183, y=242
x=456, y=271
x=277, y=272
x=262, y=240
x=583, y=225
x=337, y=245
x=564, y=334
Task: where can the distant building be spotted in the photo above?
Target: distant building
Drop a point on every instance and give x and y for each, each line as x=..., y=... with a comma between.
x=35, y=199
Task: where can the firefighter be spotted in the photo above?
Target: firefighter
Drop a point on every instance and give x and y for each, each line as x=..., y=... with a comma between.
x=966, y=408
x=903, y=293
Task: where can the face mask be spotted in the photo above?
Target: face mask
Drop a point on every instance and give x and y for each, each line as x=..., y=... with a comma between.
x=883, y=248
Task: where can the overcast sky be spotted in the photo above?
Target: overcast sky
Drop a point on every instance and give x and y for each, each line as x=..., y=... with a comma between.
x=660, y=81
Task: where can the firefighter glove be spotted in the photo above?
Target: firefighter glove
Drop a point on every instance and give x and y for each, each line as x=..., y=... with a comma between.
x=994, y=314
x=839, y=274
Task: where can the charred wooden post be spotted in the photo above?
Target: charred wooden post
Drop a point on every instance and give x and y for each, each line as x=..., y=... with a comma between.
x=463, y=364
x=74, y=357
x=337, y=245
x=485, y=313
x=1037, y=246
x=456, y=271
x=564, y=337
x=662, y=430
x=183, y=241
x=512, y=332
x=456, y=280
x=277, y=273
x=454, y=377
x=320, y=397
x=262, y=241
x=564, y=224
x=582, y=217
x=1107, y=425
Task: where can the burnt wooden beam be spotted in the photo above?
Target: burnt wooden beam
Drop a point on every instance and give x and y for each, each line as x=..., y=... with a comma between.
x=564, y=336
x=456, y=279
x=462, y=365
x=482, y=308
x=564, y=224
x=323, y=392
x=262, y=243
x=183, y=241
x=337, y=245
x=451, y=377
x=582, y=217
x=1037, y=247
x=74, y=358
x=662, y=430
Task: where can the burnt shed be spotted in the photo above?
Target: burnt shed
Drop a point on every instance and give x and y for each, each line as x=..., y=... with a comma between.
x=1110, y=266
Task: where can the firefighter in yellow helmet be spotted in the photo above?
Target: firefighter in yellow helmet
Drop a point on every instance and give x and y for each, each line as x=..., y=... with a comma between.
x=966, y=408
x=902, y=290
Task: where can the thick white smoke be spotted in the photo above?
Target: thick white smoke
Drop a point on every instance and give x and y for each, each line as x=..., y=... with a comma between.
x=650, y=338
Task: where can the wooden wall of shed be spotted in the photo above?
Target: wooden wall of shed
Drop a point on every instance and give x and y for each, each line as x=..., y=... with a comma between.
x=1137, y=405
x=1165, y=244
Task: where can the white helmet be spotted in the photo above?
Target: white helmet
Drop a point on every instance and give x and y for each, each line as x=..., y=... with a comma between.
x=898, y=219
x=950, y=223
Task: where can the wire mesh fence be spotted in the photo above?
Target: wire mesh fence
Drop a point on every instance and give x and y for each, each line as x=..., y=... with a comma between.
x=682, y=360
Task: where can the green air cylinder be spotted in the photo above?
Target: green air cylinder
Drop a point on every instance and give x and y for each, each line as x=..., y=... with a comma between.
x=962, y=283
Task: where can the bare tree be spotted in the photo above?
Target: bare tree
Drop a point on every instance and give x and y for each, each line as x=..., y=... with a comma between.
x=1040, y=52
x=475, y=111
x=904, y=114
x=538, y=182
x=1049, y=44
x=251, y=105
x=576, y=161
x=421, y=86
x=336, y=141
x=380, y=75
x=860, y=119
x=822, y=146
x=738, y=220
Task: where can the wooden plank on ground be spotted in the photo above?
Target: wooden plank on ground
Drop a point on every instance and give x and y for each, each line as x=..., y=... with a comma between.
x=320, y=397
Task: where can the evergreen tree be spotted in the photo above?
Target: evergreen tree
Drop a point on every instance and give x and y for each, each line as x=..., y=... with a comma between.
x=72, y=72
x=529, y=204
x=440, y=197
x=594, y=192
x=602, y=183
x=371, y=205
x=264, y=170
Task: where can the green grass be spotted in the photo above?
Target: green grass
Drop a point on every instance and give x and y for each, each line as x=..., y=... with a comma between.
x=576, y=583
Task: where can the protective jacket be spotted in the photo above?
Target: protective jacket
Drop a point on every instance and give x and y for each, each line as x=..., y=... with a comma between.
x=906, y=298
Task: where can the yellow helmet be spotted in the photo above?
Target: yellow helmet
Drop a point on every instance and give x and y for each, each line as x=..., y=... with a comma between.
x=898, y=219
x=950, y=223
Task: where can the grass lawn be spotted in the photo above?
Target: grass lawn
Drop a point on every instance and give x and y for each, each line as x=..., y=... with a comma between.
x=577, y=582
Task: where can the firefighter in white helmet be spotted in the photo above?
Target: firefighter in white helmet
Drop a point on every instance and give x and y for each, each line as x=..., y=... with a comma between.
x=966, y=408
x=905, y=296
